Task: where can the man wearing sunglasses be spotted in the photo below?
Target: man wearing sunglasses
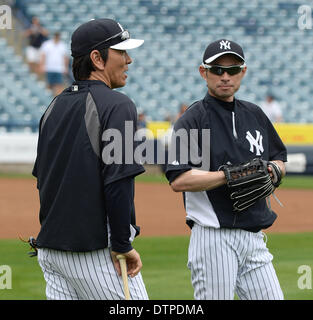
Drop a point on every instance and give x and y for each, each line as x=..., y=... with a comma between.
x=87, y=211
x=227, y=253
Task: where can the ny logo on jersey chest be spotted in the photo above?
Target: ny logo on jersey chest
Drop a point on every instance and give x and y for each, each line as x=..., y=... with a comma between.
x=256, y=143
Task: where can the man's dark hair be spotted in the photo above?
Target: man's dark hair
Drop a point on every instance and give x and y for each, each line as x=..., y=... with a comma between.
x=82, y=66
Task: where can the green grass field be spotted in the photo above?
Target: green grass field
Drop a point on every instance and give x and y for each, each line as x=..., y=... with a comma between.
x=165, y=272
x=290, y=181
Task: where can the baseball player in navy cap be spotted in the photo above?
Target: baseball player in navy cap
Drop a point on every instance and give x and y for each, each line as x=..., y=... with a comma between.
x=227, y=252
x=87, y=211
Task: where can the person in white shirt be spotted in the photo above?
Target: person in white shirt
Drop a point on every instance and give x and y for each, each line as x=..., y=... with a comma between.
x=272, y=109
x=54, y=63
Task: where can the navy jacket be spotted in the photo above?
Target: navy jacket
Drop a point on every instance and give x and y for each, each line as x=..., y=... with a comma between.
x=238, y=131
x=86, y=203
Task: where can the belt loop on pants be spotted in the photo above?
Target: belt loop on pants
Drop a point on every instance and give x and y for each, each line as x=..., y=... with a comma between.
x=265, y=236
x=190, y=223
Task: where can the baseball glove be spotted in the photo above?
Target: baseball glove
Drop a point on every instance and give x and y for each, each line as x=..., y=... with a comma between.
x=250, y=181
x=33, y=246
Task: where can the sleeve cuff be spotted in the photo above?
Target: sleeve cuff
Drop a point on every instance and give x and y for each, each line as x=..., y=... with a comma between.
x=121, y=248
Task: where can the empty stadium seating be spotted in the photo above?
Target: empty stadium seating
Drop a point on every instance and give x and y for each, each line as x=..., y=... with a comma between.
x=164, y=72
x=22, y=97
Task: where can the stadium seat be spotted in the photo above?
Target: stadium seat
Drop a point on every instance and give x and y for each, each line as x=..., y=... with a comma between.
x=164, y=72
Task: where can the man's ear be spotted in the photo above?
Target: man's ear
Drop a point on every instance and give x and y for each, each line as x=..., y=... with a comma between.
x=202, y=72
x=244, y=70
x=97, y=60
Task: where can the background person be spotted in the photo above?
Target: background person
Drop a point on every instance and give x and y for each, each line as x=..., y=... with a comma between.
x=36, y=35
x=141, y=123
x=54, y=62
x=182, y=108
x=272, y=109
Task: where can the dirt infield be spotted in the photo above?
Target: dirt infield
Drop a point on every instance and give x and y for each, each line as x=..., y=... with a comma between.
x=159, y=210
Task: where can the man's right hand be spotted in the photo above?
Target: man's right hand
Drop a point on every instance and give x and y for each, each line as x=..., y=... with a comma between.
x=133, y=262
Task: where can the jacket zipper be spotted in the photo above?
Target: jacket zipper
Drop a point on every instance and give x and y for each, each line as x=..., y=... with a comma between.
x=236, y=137
x=234, y=126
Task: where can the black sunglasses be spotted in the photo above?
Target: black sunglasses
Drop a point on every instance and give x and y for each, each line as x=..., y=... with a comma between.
x=124, y=35
x=219, y=70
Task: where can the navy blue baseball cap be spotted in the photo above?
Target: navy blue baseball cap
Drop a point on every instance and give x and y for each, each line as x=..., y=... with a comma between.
x=220, y=47
x=99, y=34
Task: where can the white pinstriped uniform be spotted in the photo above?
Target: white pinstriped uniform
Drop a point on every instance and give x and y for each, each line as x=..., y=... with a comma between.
x=85, y=276
x=225, y=261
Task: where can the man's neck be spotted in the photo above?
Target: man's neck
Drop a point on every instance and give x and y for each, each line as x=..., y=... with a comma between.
x=225, y=99
x=97, y=76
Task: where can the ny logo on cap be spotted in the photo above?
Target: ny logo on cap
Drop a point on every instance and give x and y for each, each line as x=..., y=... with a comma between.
x=225, y=44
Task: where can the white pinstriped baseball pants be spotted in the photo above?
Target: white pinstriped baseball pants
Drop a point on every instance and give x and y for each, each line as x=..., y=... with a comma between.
x=225, y=261
x=85, y=276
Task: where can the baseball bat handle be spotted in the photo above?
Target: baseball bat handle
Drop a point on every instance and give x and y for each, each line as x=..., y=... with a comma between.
x=122, y=260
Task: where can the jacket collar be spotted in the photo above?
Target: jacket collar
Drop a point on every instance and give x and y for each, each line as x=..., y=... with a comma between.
x=210, y=100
